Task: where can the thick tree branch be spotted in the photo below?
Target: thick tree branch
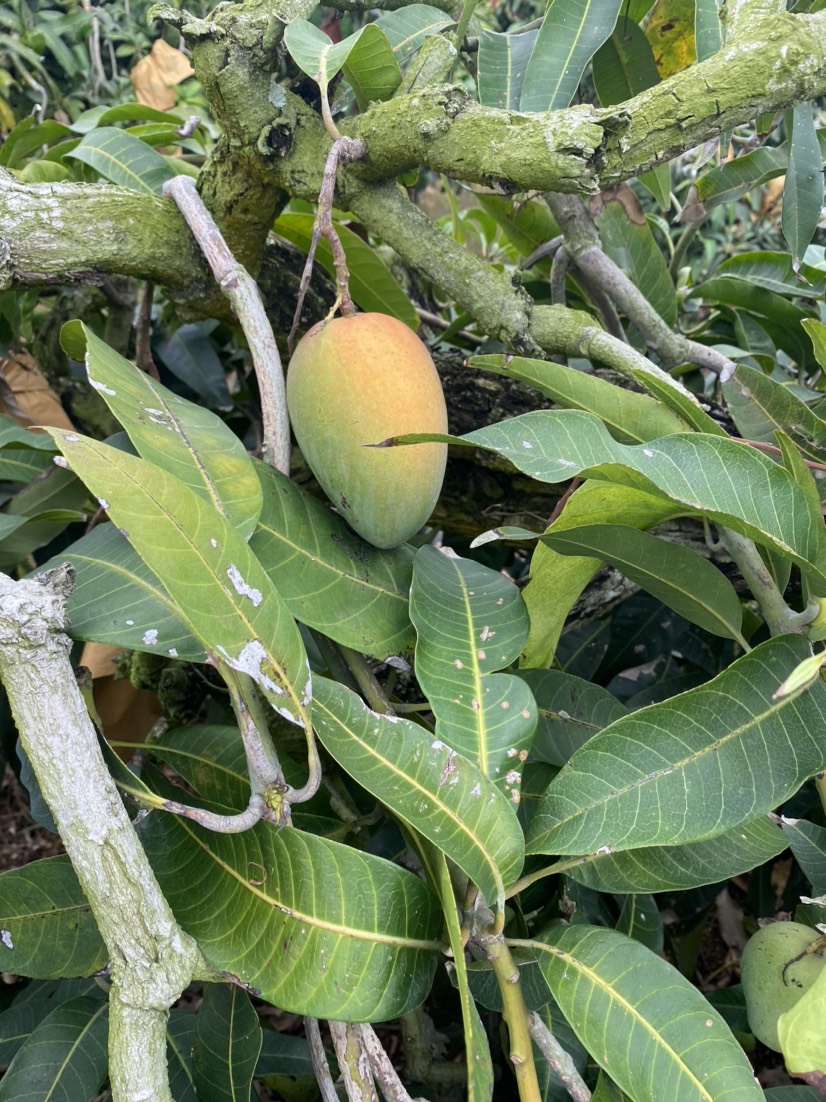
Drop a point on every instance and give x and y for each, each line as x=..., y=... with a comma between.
x=151, y=959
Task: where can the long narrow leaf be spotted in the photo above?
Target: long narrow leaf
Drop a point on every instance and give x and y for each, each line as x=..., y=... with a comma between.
x=693, y=767
x=655, y=1034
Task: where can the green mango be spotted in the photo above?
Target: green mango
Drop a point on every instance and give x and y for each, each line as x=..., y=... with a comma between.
x=354, y=382
x=779, y=964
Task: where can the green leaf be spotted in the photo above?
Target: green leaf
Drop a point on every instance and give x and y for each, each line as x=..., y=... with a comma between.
x=526, y=225
x=675, y=575
x=641, y=1020
x=778, y=317
x=372, y=284
x=816, y=331
x=180, y=1038
x=191, y=356
x=282, y=1054
x=630, y=417
x=314, y=52
x=117, y=599
x=328, y=577
x=680, y=868
x=477, y=1050
x=802, y=1031
x=27, y=139
x=46, y=926
x=710, y=475
x=64, y=1059
x=252, y=902
x=227, y=1044
x=740, y=175
x=570, y=712
x=807, y=841
x=708, y=35
x=407, y=27
x=471, y=621
x=439, y=793
x=221, y=590
x=185, y=439
x=556, y=581
x=760, y=405
x=775, y=272
x=371, y=68
x=123, y=159
x=624, y=65
x=634, y=783
x=641, y=920
x=628, y=240
x=803, y=190
x=503, y=60
x=571, y=33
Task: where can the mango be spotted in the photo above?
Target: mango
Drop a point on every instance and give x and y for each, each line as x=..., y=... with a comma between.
x=777, y=971
x=355, y=381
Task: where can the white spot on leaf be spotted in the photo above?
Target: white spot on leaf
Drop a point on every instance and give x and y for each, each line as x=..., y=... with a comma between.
x=241, y=587
x=95, y=385
x=150, y=637
x=5, y=938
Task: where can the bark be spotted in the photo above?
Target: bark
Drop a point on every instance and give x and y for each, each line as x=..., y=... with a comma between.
x=151, y=959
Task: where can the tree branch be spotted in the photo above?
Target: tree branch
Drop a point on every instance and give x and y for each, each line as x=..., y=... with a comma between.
x=152, y=960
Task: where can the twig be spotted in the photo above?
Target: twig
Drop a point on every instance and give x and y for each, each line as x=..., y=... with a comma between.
x=558, y=1059
x=383, y=1071
x=343, y=151
x=143, y=333
x=241, y=290
x=319, y=1060
x=777, y=614
x=515, y=1014
x=353, y=1063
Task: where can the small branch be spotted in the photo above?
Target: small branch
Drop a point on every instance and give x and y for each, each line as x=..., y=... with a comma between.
x=221, y=824
x=353, y=1063
x=515, y=1014
x=777, y=614
x=343, y=151
x=143, y=333
x=383, y=1071
x=319, y=1059
x=241, y=290
x=558, y=1059
x=151, y=959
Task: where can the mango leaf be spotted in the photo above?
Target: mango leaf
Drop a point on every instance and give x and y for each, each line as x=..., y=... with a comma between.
x=123, y=159
x=439, y=793
x=363, y=955
x=670, y=30
x=711, y=475
x=28, y=137
x=471, y=621
x=314, y=52
x=807, y=841
x=328, y=577
x=630, y=417
x=502, y=62
x=65, y=1058
x=641, y=920
x=641, y=1020
x=371, y=68
x=183, y=438
x=227, y=1044
x=679, y=868
x=675, y=575
x=372, y=284
x=284, y=1055
x=708, y=35
x=816, y=331
x=46, y=926
x=556, y=580
x=221, y=590
x=571, y=711
x=802, y=1032
x=571, y=33
x=407, y=27
x=775, y=272
x=118, y=600
x=803, y=190
x=760, y=405
x=778, y=317
x=477, y=1050
x=793, y=1094
x=191, y=357
x=628, y=240
x=634, y=783
x=526, y=225
x=180, y=1038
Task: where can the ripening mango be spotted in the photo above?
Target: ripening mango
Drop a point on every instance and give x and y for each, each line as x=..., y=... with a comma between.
x=777, y=968
x=355, y=381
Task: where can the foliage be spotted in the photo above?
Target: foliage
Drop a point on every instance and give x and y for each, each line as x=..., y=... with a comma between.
x=553, y=801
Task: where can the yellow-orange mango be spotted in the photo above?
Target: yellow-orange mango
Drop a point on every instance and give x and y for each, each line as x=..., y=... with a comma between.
x=355, y=381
